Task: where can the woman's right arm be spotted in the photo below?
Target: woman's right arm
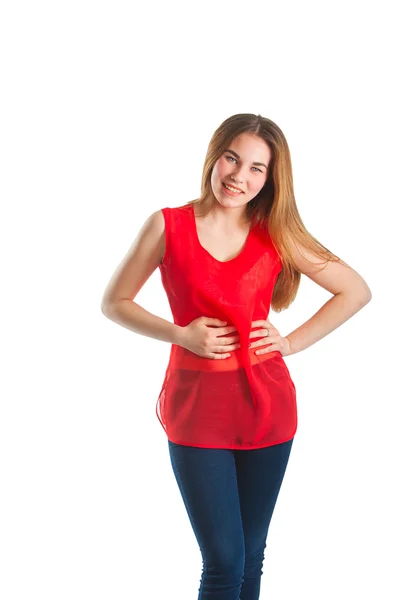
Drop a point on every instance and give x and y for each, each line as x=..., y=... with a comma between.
x=141, y=260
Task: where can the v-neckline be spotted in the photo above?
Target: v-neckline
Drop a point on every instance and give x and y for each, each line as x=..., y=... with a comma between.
x=221, y=262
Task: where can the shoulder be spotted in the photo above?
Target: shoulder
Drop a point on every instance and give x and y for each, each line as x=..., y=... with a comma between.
x=157, y=219
x=154, y=225
x=161, y=225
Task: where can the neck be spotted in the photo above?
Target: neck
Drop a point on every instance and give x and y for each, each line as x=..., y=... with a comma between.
x=228, y=217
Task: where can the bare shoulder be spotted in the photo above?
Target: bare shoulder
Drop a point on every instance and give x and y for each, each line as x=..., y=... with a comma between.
x=141, y=260
x=334, y=275
x=157, y=227
x=151, y=238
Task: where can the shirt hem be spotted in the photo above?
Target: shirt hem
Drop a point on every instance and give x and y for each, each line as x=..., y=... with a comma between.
x=236, y=446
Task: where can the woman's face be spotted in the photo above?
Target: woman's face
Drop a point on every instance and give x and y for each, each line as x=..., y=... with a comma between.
x=242, y=162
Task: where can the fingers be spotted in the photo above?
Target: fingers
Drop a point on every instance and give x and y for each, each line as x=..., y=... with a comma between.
x=269, y=344
x=228, y=329
x=263, y=323
x=225, y=348
x=271, y=348
x=263, y=333
x=266, y=340
x=228, y=340
x=231, y=343
x=219, y=356
x=222, y=351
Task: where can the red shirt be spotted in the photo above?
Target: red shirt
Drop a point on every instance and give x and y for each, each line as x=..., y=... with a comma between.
x=245, y=401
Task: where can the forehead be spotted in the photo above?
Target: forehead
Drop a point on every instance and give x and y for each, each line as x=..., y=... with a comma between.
x=251, y=145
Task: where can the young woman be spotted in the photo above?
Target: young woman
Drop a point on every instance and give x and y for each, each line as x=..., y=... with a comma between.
x=228, y=402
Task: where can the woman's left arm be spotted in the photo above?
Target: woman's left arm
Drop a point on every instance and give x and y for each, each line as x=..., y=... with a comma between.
x=351, y=293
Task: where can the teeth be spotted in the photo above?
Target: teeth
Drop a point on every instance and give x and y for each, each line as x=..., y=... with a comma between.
x=233, y=189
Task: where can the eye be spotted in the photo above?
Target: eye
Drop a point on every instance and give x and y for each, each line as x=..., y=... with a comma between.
x=231, y=157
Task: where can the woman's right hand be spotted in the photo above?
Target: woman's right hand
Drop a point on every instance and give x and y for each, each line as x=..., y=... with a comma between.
x=202, y=336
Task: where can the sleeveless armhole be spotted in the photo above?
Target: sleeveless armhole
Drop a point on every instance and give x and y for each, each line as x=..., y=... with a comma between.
x=165, y=212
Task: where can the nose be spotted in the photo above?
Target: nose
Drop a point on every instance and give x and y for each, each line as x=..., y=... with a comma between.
x=238, y=174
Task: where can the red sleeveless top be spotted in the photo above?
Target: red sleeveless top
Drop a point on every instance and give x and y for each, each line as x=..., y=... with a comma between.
x=245, y=401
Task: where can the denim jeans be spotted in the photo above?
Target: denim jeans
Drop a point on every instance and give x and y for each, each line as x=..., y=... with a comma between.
x=229, y=496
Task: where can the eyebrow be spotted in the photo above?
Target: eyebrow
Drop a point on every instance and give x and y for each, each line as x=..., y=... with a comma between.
x=237, y=156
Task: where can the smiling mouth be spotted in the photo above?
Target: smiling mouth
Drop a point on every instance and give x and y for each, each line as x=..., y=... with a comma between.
x=236, y=190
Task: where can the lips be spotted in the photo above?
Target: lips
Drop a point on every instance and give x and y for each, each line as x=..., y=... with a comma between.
x=232, y=186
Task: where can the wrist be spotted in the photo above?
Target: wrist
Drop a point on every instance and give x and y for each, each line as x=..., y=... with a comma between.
x=290, y=345
x=178, y=335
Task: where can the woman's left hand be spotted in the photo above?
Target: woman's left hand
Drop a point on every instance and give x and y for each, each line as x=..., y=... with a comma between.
x=271, y=338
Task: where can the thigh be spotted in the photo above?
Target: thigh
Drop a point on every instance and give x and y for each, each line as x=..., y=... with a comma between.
x=208, y=485
x=260, y=474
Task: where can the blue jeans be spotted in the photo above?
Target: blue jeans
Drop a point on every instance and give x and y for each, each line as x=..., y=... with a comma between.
x=229, y=496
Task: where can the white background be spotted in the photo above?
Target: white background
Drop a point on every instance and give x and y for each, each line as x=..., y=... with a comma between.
x=107, y=109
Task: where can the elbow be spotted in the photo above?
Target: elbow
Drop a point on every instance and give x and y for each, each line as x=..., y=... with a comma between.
x=359, y=296
x=367, y=295
x=364, y=296
x=106, y=308
x=361, y=292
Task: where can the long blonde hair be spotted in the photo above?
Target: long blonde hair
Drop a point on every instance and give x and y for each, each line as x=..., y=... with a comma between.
x=274, y=208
